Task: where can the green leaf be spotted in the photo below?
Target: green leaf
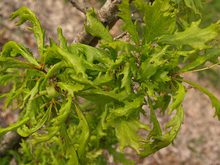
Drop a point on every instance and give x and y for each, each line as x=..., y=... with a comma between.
x=8, y=78
x=126, y=80
x=73, y=158
x=95, y=27
x=24, y=131
x=121, y=158
x=214, y=100
x=26, y=14
x=195, y=5
x=29, y=96
x=92, y=54
x=128, y=109
x=178, y=98
x=62, y=39
x=39, y=138
x=63, y=113
x=84, y=136
x=71, y=88
x=9, y=62
x=150, y=66
x=56, y=123
x=210, y=54
x=72, y=60
x=82, y=100
x=13, y=49
x=14, y=126
x=104, y=96
x=121, y=45
x=158, y=20
x=129, y=26
x=156, y=131
x=160, y=141
x=127, y=133
x=54, y=70
x=188, y=37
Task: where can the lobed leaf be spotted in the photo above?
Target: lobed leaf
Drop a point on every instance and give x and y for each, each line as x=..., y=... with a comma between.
x=162, y=140
x=158, y=19
x=12, y=49
x=94, y=27
x=187, y=36
x=213, y=98
x=129, y=26
x=195, y=5
x=14, y=125
x=24, y=131
x=26, y=14
x=84, y=136
x=127, y=133
x=178, y=98
x=210, y=54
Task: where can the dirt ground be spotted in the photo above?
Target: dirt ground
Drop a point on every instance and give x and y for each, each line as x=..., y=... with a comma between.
x=198, y=142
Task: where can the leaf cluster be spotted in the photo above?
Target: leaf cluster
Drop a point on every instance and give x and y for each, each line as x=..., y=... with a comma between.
x=78, y=102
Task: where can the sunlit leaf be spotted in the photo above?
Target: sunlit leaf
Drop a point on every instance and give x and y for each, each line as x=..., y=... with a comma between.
x=26, y=14
x=95, y=27
x=187, y=37
x=129, y=26
x=213, y=98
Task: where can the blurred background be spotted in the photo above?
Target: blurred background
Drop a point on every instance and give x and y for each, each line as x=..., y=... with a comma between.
x=198, y=142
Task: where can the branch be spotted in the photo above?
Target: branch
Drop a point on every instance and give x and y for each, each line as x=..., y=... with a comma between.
x=121, y=35
x=107, y=15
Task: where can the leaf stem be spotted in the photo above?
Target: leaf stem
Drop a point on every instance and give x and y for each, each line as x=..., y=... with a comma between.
x=201, y=69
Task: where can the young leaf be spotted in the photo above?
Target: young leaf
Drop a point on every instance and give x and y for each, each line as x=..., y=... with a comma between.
x=156, y=131
x=26, y=14
x=126, y=80
x=84, y=136
x=62, y=39
x=25, y=131
x=195, y=5
x=63, y=113
x=178, y=98
x=14, y=125
x=160, y=141
x=127, y=109
x=9, y=62
x=72, y=60
x=92, y=54
x=129, y=26
x=150, y=66
x=210, y=54
x=187, y=37
x=13, y=49
x=214, y=100
x=127, y=133
x=95, y=27
x=158, y=20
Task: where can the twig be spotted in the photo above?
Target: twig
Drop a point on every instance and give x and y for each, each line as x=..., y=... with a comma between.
x=78, y=6
x=120, y=35
x=107, y=15
x=198, y=70
x=202, y=69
